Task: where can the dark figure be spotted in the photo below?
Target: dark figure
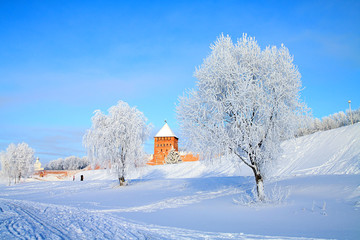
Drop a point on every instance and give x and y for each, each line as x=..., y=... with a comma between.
x=82, y=178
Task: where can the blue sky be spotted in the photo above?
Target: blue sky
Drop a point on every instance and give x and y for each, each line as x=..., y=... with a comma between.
x=61, y=60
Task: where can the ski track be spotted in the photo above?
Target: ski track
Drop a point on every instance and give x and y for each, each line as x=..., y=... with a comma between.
x=29, y=220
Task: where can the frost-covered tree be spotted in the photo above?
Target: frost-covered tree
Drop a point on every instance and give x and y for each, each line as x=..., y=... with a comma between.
x=356, y=116
x=246, y=103
x=173, y=157
x=332, y=121
x=17, y=162
x=117, y=139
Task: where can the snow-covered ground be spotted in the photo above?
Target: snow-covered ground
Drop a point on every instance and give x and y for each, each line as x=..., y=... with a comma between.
x=315, y=194
x=335, y=151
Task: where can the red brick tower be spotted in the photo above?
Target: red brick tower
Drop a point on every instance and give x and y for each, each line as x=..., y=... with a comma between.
x=164, y=141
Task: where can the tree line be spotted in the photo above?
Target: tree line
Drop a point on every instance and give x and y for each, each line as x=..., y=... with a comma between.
x=332, y=121
x=69, y=163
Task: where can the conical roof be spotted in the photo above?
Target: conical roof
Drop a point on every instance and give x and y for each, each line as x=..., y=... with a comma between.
x=165, y=131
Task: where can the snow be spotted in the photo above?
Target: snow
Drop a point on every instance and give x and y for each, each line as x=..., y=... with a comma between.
x=195, y=208
x=199, y=200
x=165, y=131
x=28, y=219
x=335, y=151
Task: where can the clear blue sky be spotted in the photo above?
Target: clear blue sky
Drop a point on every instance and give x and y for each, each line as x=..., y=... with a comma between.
x=61, y=60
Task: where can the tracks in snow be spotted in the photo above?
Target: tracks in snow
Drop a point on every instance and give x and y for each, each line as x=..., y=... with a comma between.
x=29, y=220
x=21, y=223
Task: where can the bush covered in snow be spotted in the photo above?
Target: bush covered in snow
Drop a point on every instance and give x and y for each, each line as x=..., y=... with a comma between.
x=332, y=121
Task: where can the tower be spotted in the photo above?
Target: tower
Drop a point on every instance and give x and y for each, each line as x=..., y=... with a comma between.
x=164, y=141
x=37, y=165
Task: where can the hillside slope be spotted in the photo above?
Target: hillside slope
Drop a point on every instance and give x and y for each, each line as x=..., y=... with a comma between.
x=335, y=151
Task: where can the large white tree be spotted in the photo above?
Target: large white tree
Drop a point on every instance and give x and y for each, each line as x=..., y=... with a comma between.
x=246, y=103
x=117, y=139
x=17, y=162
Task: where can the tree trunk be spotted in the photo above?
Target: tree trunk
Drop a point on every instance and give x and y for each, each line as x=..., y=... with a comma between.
x=122, y=181
x=122, y=174
x=259, y=185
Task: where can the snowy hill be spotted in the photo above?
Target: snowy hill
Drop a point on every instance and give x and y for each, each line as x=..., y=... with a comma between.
x=335, y=151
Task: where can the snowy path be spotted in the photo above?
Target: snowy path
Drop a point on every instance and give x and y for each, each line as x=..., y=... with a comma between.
x=28, y=220
x=25, y=220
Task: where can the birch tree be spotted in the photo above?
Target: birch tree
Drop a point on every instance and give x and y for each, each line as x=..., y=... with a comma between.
x=17, y=162
x=117, y=139
x=246, y=102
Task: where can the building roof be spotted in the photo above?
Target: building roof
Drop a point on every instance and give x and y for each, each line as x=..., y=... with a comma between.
x=165, y=131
